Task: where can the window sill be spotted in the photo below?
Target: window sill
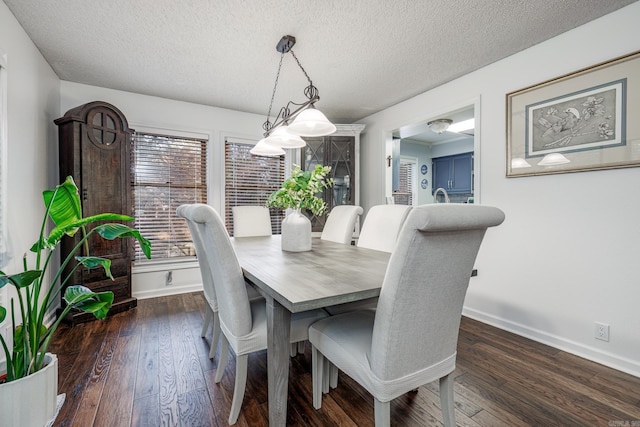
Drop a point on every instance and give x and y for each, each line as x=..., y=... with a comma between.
x=153, y=266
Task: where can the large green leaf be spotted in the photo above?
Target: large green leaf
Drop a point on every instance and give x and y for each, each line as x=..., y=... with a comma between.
x=64, y=201
x=83, y=298
x=3, y=313
x=93, y=262
x=21, y=280
x=113, y=231
x=70, y=228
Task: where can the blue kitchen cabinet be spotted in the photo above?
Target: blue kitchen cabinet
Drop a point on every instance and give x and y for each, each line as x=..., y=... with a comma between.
x=453, y=173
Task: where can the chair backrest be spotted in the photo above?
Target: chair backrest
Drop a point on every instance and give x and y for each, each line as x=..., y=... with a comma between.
x=381, y=227
x=420, y=304
x=251, y=221
x=186, y=212
x=231, y=292
x=341, y=223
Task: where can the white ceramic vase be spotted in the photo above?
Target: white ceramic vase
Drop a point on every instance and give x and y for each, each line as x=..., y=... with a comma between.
x=296, y=232
x=31, y=401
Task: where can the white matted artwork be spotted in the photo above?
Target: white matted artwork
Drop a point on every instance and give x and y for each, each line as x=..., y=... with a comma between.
x=577, y=122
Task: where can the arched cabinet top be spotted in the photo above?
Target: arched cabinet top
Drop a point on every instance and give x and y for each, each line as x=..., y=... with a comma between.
x=104, y=124
x=86, y=113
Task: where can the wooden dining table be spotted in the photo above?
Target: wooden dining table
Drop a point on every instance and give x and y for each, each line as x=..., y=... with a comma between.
x=329, y=274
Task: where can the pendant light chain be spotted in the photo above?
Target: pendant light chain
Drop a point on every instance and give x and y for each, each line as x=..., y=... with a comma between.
x=267, y=124
x=310, y=91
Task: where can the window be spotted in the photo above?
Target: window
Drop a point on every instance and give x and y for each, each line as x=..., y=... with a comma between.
x=406, y=194
x=168, y=172
x=249, y=179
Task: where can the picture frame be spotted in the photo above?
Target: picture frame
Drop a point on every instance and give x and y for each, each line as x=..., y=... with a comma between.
x=577, y=122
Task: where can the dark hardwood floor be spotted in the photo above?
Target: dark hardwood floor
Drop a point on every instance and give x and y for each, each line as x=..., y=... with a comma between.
x=149, y=367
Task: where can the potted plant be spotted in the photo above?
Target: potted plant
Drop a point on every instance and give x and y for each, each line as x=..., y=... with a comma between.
x=299, y=191
x=29, y=393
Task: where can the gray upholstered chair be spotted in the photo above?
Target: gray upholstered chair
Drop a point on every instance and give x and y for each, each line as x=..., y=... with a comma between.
x=379, y=232
x=411, y=338
x=381, y=227
x=243, y=322
x=209, y=292
x=341, y=223
x=249, y=221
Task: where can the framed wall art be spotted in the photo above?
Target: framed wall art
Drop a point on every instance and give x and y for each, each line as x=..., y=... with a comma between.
x=577, y=122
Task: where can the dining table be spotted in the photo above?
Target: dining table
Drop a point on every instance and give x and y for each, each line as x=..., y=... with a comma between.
x=291, y=282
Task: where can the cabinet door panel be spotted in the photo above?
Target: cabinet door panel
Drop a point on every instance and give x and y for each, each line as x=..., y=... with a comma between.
x=461, y=175
x=339, y=153
x=441, y=171
x=341, y=156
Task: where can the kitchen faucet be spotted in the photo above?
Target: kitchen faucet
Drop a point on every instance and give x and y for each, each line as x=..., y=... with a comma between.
x=446, y=196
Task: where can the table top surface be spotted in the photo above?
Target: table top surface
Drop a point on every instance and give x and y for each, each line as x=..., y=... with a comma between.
x=329, y=274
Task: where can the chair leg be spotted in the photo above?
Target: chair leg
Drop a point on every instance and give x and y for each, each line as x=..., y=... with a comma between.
x=208, y=314
x=293, y=350
x=216, y=335
x=333, y=372
x=317, y=364
x=383, y=413
x=446, y=400
x=301, y=346
x=326, y=374
x=239, y=387
x=222, y=362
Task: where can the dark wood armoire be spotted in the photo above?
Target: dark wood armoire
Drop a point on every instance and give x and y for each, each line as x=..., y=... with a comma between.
x=94, y=148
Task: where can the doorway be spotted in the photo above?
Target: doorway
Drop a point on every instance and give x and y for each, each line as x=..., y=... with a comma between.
x=420, y=141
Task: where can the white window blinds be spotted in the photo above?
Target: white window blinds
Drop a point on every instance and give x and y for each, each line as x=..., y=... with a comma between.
x=168, y=172
x=407, y=183
x=249, y=180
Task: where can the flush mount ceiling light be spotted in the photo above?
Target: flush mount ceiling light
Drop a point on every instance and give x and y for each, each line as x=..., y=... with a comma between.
x=305, y=120
x=439, y=125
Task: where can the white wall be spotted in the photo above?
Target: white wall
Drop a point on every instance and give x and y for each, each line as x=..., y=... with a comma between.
x=567, y=254
x=174, y=117
x=32, y=105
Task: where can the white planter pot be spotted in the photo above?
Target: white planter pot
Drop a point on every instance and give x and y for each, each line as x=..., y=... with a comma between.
x=31, y=401
x=296, y=232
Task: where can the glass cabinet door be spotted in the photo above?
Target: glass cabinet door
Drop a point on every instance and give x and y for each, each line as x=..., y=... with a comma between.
x=339, y=153
x=342, y=170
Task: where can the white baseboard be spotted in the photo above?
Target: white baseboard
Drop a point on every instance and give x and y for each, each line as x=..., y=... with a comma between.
x=168, y=290
x=631, y=367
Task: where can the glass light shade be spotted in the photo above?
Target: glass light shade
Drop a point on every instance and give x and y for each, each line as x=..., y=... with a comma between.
x=280, y=137
x=264, y=149
x=311, y=122
x=439, y=125
x=553, y=159
x=519, y=162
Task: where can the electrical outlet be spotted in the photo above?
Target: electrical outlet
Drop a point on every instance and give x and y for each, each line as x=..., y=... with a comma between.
x=601, y=331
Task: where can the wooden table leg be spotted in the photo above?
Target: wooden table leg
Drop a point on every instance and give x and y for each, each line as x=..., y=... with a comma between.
x=278, y=327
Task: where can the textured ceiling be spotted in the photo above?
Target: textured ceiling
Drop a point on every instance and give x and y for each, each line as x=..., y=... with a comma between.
x=363, y=55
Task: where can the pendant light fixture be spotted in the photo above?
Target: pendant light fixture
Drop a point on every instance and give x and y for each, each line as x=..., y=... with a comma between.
x=289, y=125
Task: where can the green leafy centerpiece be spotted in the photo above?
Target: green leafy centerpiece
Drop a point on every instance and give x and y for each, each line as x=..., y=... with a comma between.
x=27, y=355
x=300, y=191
